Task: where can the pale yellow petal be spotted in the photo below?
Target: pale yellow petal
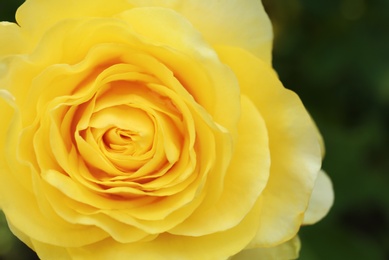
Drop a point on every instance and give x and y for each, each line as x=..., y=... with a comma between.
x=242, y=24
x=21, y=235
x=285, y=251
x=47, y=251
x=321, y=200
x=36, y=16
x=11, y=40
x=294, y=147
x=7, y=97
x=9, y=133
x=10, y=125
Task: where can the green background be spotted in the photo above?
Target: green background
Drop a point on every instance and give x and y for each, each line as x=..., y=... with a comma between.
x=335, y=55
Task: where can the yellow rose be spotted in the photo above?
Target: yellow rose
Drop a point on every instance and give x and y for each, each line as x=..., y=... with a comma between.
x=146, y=129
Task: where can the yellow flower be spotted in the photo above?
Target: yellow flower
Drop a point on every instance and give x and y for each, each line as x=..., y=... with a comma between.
x=145, y=129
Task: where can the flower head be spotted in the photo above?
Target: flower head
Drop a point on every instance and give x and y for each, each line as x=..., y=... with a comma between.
x=153, y=129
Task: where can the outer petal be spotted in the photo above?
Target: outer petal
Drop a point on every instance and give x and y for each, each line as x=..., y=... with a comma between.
x=45, y=251
x=36, y=16
x=239, y=23
x=7, y=111
x=217, y=246
x=167, y=28
x=243, y=24
x=294, y=147
x=285, y=251
x=41, y=14
x=18, y=203
x=321, y=200
x=11, y=40
x=246, y=178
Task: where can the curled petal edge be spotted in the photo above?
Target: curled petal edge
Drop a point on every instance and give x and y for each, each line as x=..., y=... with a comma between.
x=321, y=200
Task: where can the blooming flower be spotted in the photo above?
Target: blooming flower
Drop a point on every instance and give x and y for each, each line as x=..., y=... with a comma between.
x=153, y=130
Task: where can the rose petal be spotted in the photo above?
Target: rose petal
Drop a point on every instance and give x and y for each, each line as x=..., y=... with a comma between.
x=284, y=251
x=219, y=245
x=49, y=251
x=243, y=23
x=21, y=235
x=11, y=40
x=8, y=140
x=125, y=221
x=155, y=25
x=245, y=179
x=36, y=221
x=7, y=111
x=294, y=146
x=321, y=199
x=36, y=16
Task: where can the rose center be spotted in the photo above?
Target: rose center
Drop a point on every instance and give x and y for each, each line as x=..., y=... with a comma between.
x=123, y=141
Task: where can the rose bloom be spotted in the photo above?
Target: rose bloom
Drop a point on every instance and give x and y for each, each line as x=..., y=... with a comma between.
x=153, y=130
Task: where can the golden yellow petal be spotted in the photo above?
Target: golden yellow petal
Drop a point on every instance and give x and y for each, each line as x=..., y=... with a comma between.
x=125, y=220
x=101, y=222
x=22, y=201
x=36, y=220
x=219, y=245
x=245, y=179
x=191, y=59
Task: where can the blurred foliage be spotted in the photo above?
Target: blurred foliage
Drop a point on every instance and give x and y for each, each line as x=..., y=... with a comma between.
x=335, y=55
x=8, y=8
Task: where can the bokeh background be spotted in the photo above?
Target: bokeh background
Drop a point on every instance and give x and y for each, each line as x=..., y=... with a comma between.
x=335, y=55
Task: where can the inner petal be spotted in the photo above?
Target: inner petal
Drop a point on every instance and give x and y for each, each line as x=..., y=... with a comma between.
x=123, y=129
